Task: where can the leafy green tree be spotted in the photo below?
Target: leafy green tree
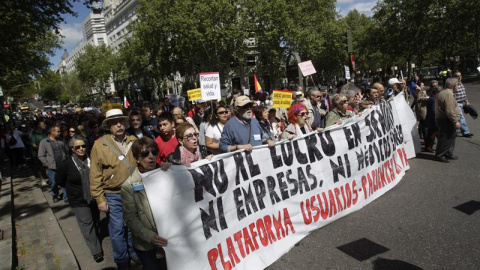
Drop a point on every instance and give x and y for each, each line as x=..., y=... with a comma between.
x=29, y=29
x=50, y=86
x=94, y=68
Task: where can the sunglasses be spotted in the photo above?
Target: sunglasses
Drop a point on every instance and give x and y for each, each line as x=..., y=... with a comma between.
x=303, y=114
x=191, y=135
x=71, y=131
x=222, y=112
x=248, y=106
x=343, y=101
x=146, y=153
x=76, y=147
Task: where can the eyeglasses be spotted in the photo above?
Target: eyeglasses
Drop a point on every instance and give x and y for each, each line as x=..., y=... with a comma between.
x=303, y=114
x=146, y=153
x=71, y=131
x=76, y=147
x=317, y=96
x=191, y=135
x=222, y=112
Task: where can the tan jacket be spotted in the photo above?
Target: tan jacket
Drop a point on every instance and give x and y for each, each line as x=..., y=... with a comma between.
x=107, y=171
x=311, y=112
x=137, y=213
x=446, y=106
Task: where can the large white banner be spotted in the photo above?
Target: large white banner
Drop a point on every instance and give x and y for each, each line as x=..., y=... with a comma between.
x=244, y=210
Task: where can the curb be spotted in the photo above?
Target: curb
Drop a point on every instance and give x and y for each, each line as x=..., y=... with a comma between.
x=40, y=241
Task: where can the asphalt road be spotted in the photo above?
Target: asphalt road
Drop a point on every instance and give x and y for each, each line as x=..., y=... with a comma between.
x=430, y=220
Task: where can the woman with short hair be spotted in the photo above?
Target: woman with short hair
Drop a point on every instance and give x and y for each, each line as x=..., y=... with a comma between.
x=339, y=112
x=73, y=174
x=188, y=150
x=297, y=116
x=138, y=216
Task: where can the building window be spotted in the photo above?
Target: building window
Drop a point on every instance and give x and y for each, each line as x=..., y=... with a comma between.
x=100, y=41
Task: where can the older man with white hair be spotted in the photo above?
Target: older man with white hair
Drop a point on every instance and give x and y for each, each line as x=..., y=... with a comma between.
x=242, y=131
x=112, y=162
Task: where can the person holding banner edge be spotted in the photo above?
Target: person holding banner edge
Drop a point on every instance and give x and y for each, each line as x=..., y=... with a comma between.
x=148, y=245
x=242, y=131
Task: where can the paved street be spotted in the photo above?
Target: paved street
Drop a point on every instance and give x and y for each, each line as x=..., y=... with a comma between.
x=428, y=221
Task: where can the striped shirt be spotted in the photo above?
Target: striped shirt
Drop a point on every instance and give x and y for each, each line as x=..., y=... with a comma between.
x=460, y=95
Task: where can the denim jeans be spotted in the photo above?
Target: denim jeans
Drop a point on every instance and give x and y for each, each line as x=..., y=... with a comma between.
x=463, y=122
x=53, y=185
x=120, y=236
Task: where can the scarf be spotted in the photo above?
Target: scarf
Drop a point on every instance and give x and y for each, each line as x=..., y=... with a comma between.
x=83, y=167
x=188, y=157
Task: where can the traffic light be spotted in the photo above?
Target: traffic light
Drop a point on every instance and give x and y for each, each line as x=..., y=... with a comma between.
x=348, y=41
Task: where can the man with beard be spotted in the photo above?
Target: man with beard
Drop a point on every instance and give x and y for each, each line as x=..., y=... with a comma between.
x=112, y=162
x=242, y=131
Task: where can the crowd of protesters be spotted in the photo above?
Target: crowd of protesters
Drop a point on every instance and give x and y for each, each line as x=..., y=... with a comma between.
x=97, y=159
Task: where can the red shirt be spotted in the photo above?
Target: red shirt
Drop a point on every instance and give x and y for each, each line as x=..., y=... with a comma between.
x=165, y=147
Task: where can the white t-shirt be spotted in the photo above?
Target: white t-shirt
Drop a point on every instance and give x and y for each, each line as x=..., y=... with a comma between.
x=214, y=132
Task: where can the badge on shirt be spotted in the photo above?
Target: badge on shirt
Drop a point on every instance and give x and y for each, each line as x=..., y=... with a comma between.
x=138, y=187
x=121, y=157
x=257, y=137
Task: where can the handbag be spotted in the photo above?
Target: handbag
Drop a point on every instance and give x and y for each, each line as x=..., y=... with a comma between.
x=469, y=109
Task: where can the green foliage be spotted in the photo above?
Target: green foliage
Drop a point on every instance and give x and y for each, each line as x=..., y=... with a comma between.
x=94, y=68
x=29, y=30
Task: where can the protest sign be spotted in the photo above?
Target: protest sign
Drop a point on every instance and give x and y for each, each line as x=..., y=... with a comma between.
x=282, y=98
x=108, y=106
x=176, y=100
x=194, y=94
x=307, y=68
x=244, y=210
x=210, y=85
x=347, y=73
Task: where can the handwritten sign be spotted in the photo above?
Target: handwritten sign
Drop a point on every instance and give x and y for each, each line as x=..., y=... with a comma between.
x=282, y=99
x=210, y=85
x=194, y=94
x=307, y=68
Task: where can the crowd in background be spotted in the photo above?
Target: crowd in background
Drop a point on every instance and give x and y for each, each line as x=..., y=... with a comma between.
x=162, y=134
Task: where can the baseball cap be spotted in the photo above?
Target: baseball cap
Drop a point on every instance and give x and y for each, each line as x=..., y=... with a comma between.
x=393, y=81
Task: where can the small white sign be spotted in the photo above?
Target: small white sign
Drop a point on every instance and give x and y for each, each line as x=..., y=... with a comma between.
x=347, y=73
x=307, y=68
x=210, y=85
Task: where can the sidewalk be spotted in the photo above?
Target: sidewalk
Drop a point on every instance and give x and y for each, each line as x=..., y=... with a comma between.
x=47, y=233
x=40, y=243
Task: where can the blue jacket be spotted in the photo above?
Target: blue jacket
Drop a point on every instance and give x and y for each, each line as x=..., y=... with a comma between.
x=237, y=132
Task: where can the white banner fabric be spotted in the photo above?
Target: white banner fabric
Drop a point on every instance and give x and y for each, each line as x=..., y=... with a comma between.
x=244, y=210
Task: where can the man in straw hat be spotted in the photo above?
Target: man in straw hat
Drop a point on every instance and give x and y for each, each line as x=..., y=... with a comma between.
x=112, y=162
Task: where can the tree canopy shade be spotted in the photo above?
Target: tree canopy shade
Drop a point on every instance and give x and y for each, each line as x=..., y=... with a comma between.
x=29, y=30
x=94, y=68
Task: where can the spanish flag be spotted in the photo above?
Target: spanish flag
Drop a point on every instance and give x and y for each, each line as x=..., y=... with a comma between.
x=258, y=88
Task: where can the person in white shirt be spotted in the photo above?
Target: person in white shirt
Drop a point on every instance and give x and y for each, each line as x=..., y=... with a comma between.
x=215, y=128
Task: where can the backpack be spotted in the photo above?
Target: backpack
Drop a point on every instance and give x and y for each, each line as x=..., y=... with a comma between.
x=12, y=140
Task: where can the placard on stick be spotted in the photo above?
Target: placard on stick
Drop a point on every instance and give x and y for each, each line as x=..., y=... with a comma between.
x=307, y=68
x=210, y=85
